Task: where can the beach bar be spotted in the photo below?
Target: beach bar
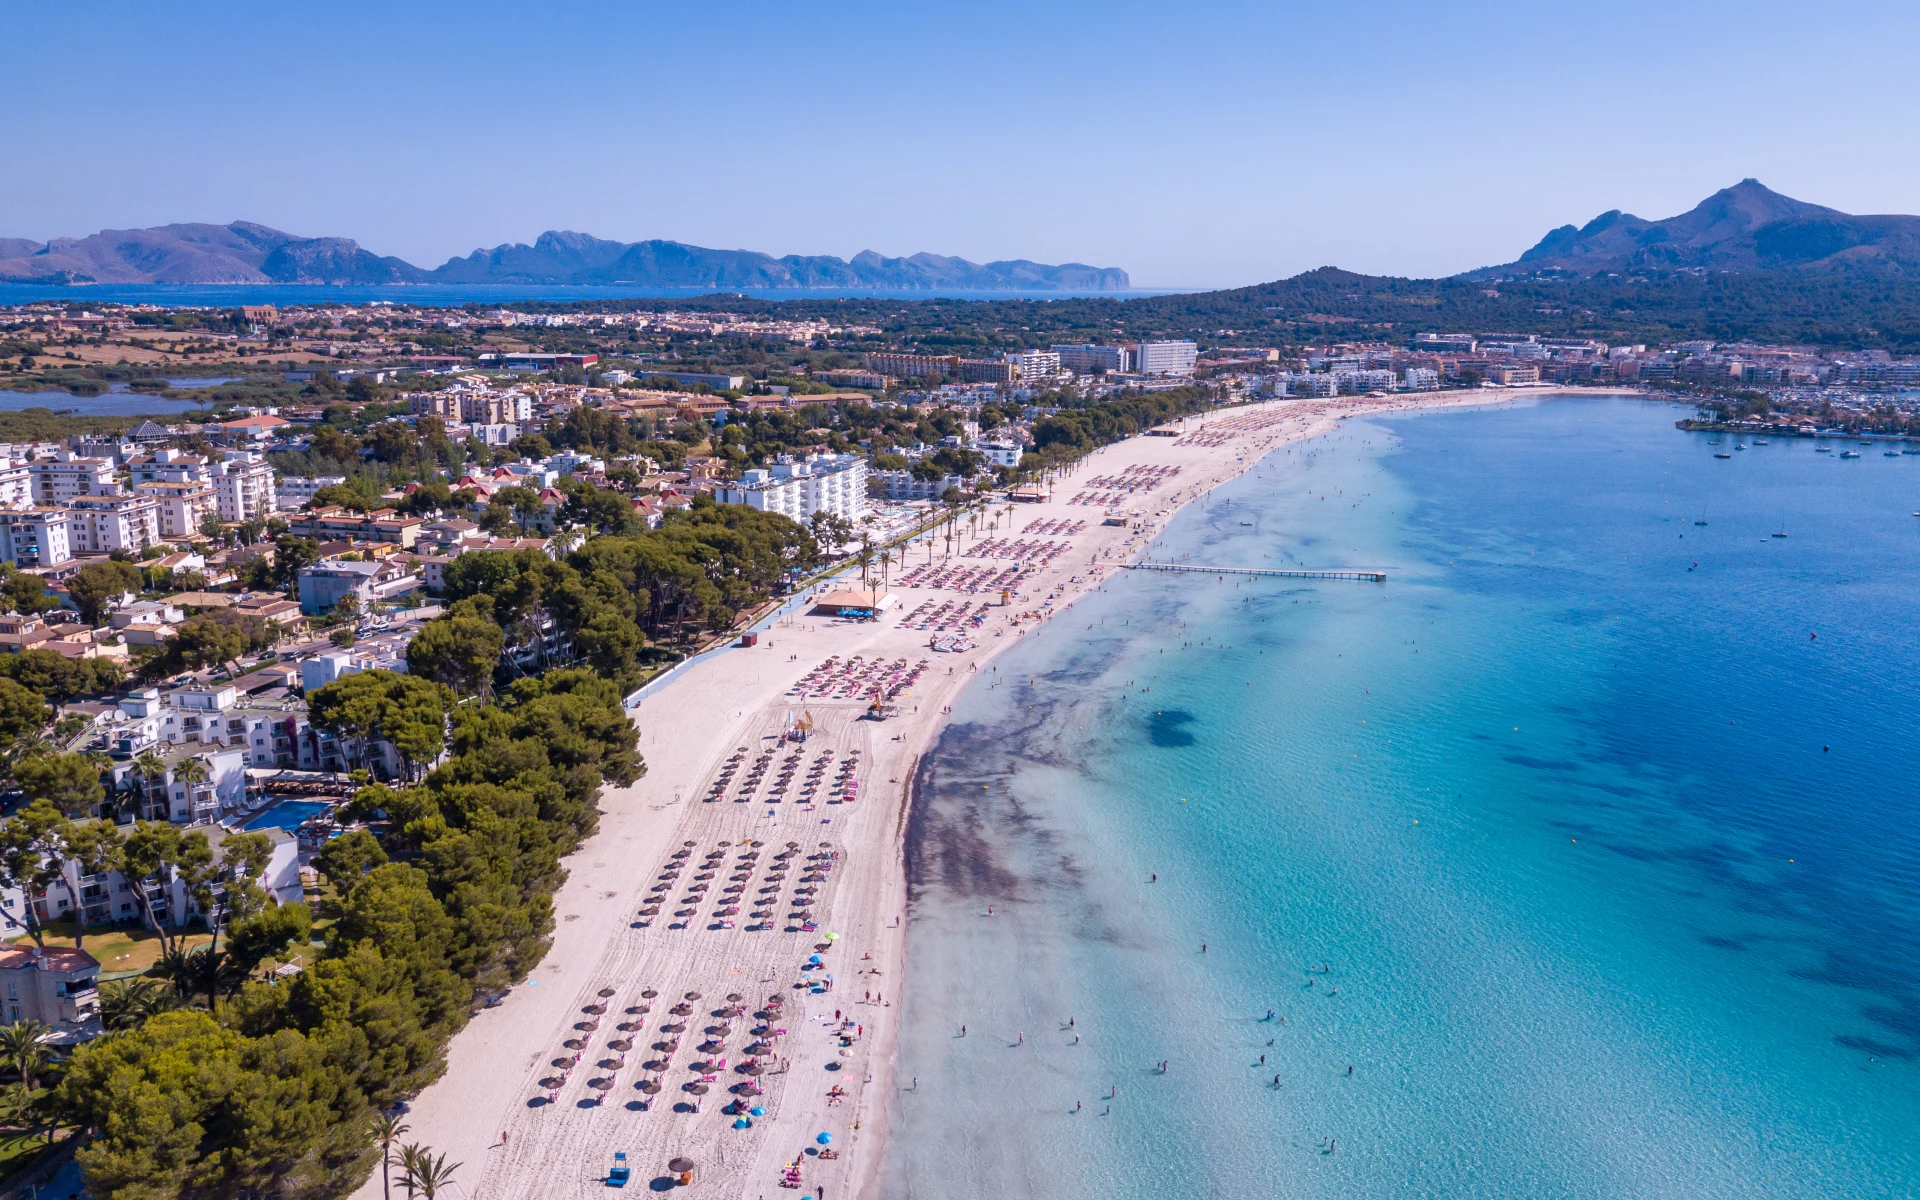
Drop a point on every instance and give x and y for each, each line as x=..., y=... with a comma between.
x=852, y=603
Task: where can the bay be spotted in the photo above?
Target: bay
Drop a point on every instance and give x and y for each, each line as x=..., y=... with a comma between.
x=454, y=295
x=1578, y=860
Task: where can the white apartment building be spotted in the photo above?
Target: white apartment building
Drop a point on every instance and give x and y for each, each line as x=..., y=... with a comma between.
x=59, y=479
x=1311, y=383
x=999, y=454
x=243, y=487
x=1422, y=379
x=295, y=492
x=1360, y=382
x=835, y=483
x=182, y=506
x=1165, y=358
x=116, y=521
x=903, y=485
x=1090, y=360
x=35, y=537
x=111, y=447
x=167, y=466
x=494, y=435
x=1035, y=364
x=496, y=408
x=16, y=485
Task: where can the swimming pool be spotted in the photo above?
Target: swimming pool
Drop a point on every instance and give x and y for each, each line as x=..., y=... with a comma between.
x=288, y=814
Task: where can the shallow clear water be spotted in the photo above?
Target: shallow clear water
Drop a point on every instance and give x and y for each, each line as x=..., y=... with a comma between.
x=1611, y=863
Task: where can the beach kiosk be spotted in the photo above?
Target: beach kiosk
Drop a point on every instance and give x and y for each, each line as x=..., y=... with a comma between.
x=858, y=604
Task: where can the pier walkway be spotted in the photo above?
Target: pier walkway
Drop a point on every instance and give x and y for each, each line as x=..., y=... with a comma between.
x=1363, y=576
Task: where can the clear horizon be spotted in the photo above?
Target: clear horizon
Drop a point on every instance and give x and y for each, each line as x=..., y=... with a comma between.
x=1213, y=147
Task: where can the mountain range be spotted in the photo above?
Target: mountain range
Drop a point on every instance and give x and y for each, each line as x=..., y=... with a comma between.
x=1746, y=228
x=245, y=252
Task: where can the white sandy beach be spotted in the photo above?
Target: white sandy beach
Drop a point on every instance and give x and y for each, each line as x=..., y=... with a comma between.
x=490, y=1112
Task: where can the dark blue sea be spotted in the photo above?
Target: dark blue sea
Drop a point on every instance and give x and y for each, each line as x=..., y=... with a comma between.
x=1579, y=860
x=448, y=295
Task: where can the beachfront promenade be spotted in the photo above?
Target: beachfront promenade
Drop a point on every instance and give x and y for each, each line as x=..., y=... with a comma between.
x=541, y=1090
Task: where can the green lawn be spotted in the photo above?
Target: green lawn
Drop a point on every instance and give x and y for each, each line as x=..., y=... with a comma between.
x=120, y=951
x=19, y=1150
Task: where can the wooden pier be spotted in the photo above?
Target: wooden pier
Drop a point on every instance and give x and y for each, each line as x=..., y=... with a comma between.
x=1361, y=576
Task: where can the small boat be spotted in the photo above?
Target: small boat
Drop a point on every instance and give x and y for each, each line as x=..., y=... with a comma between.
x=1849, y=454
x=1246, y=522
x=1892, y=453
x=1780, y=534
x=1739, y=445
x=1823, y=449
x=1724, y=454
x=1699, y=522
x=1761, y=442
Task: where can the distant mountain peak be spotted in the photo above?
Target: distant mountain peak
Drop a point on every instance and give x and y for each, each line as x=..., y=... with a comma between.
x=246, y=252
x=1746, y=227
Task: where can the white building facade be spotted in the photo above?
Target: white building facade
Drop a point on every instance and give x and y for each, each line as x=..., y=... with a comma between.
x=59, y=479
x=1165, y=358
x=181, y=506
x=114, y=521
x=295, y=492
x=35, y=537
x=833, y=483
x=1095, y=360
x=243, y=488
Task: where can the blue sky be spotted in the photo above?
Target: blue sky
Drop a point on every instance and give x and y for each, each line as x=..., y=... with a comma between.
x=1206, y=144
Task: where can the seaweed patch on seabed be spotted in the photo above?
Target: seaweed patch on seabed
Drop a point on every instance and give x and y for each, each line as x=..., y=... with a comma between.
x=953, y=822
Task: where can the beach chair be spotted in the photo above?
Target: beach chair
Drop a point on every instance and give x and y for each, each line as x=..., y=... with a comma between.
x=619, y=1174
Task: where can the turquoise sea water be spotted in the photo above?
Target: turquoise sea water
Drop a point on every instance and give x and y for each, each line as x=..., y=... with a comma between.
x=1601, y=823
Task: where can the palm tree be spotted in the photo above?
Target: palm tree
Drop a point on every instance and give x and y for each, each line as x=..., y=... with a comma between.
x=128, y=1004
x=387, y=1129
x=22, y=1049
x=149, y=768
x=191, y=772
x=425, y=1171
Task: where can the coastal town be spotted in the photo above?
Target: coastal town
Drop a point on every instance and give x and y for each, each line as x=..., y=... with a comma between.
x=249, y=611
x=557, y=641
x=215, y=612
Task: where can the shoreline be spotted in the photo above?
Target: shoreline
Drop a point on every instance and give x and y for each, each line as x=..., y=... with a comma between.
x=559, y=1150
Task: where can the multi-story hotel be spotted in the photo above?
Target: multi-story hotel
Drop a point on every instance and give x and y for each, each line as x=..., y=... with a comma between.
x=834, y=483
x=243, y=487
x=114, y=521
x=182, y=506
x=59, y=479
x=1095, y=360
x=1165, y=358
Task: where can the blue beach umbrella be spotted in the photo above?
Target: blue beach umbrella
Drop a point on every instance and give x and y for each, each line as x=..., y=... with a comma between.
x=813, y=958
x=823, y=1138
x=741, y=1123
x=758, y=1111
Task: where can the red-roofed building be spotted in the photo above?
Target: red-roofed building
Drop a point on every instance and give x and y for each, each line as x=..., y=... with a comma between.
x=59, y=986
